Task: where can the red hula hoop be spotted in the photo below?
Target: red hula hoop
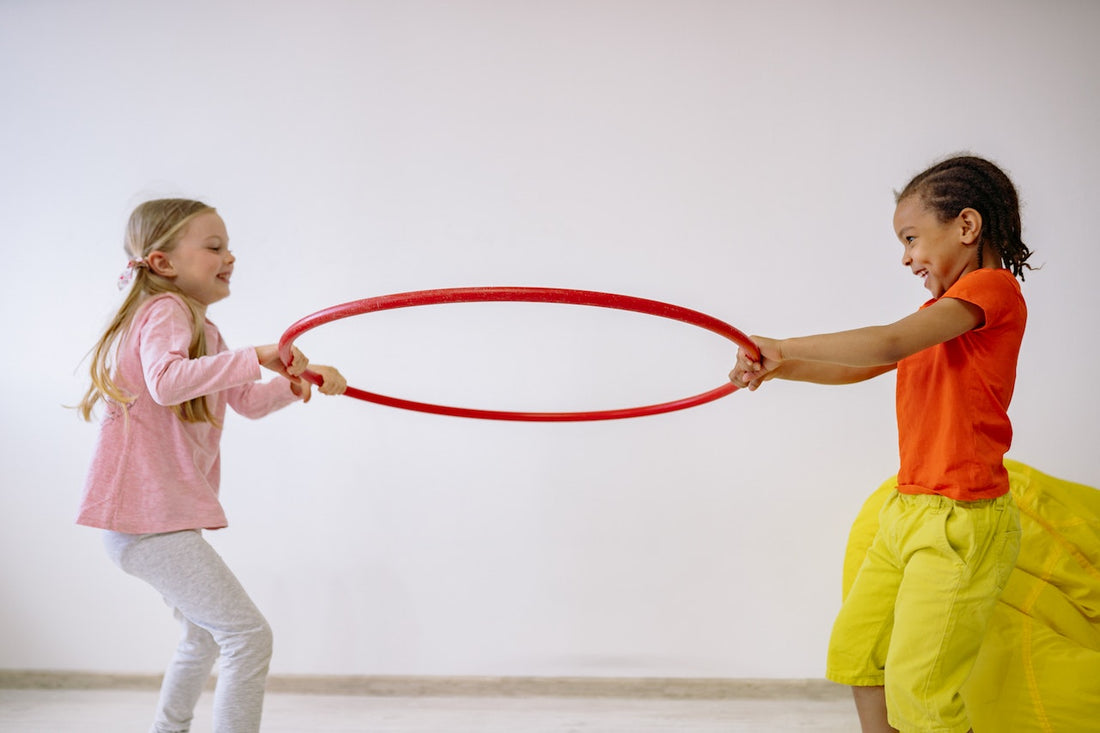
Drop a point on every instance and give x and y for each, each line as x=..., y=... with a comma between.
x=529, y=295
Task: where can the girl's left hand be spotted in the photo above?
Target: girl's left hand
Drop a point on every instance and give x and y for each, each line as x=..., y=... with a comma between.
x=332, y=382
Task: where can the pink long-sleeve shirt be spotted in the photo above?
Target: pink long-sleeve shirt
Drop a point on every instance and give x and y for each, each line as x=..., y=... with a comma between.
x=152, y=472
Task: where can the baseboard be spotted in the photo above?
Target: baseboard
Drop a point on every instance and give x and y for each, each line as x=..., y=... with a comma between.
x=428, y=686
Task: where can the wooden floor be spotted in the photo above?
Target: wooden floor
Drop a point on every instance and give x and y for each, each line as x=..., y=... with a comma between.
x=130, y=711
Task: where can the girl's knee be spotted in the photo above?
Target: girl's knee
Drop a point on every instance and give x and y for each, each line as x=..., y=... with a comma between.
x=196, y=642
x=255, y=642
x=260, y=642
x=200, y=647
x=264, y=640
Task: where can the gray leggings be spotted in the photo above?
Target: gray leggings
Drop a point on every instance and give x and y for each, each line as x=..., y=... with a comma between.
x=217, y=617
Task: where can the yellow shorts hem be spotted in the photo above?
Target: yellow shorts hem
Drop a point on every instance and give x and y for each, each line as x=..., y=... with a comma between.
x=856, y=680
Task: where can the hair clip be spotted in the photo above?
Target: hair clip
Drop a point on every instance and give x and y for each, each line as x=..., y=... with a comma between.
x=127, y=275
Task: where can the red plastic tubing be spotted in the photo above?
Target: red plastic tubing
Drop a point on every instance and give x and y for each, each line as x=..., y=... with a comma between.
x=529, y=295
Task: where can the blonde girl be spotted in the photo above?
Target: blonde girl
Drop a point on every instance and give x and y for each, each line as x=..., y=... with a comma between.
x=164, y=377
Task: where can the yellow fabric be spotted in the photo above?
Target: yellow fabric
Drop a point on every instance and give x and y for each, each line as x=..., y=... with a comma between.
x=1038, y=670
x=926, y=630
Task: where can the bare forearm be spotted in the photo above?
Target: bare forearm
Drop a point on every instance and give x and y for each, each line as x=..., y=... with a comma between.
x=861, y=348
x=820, y=372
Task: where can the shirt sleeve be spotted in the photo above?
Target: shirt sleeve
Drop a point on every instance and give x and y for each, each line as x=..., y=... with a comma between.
x=261, y=398
x=254, y=399
x=989, y=290
x=171, y=376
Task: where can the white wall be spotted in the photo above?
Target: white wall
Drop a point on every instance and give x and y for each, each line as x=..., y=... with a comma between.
x=737, y=158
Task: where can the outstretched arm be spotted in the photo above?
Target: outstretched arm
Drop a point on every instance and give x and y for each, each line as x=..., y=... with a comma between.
x=748, y=374
x=852, y=356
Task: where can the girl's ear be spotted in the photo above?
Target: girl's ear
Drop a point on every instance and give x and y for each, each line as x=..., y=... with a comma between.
x=971, y=223
x=161, y=264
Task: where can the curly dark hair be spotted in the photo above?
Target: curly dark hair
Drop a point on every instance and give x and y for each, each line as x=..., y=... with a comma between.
x=967, y=181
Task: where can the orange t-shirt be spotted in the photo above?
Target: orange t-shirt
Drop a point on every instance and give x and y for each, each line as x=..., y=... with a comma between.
x=952, y=398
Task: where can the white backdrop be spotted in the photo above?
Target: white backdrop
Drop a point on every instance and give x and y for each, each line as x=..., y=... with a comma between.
x=734, y=157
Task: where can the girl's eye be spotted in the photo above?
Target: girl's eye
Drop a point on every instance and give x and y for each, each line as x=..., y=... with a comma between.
x=909, y=239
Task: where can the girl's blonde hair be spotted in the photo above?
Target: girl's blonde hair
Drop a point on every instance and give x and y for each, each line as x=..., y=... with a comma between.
x=154, y=226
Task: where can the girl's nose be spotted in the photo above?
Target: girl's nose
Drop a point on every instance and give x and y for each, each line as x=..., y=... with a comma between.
x=230, y=257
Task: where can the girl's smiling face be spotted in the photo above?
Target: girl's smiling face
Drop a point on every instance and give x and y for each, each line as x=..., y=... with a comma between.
x=938, y=252
x=201, y=264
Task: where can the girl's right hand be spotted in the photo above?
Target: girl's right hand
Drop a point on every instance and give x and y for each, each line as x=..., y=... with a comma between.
x=749, y=373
